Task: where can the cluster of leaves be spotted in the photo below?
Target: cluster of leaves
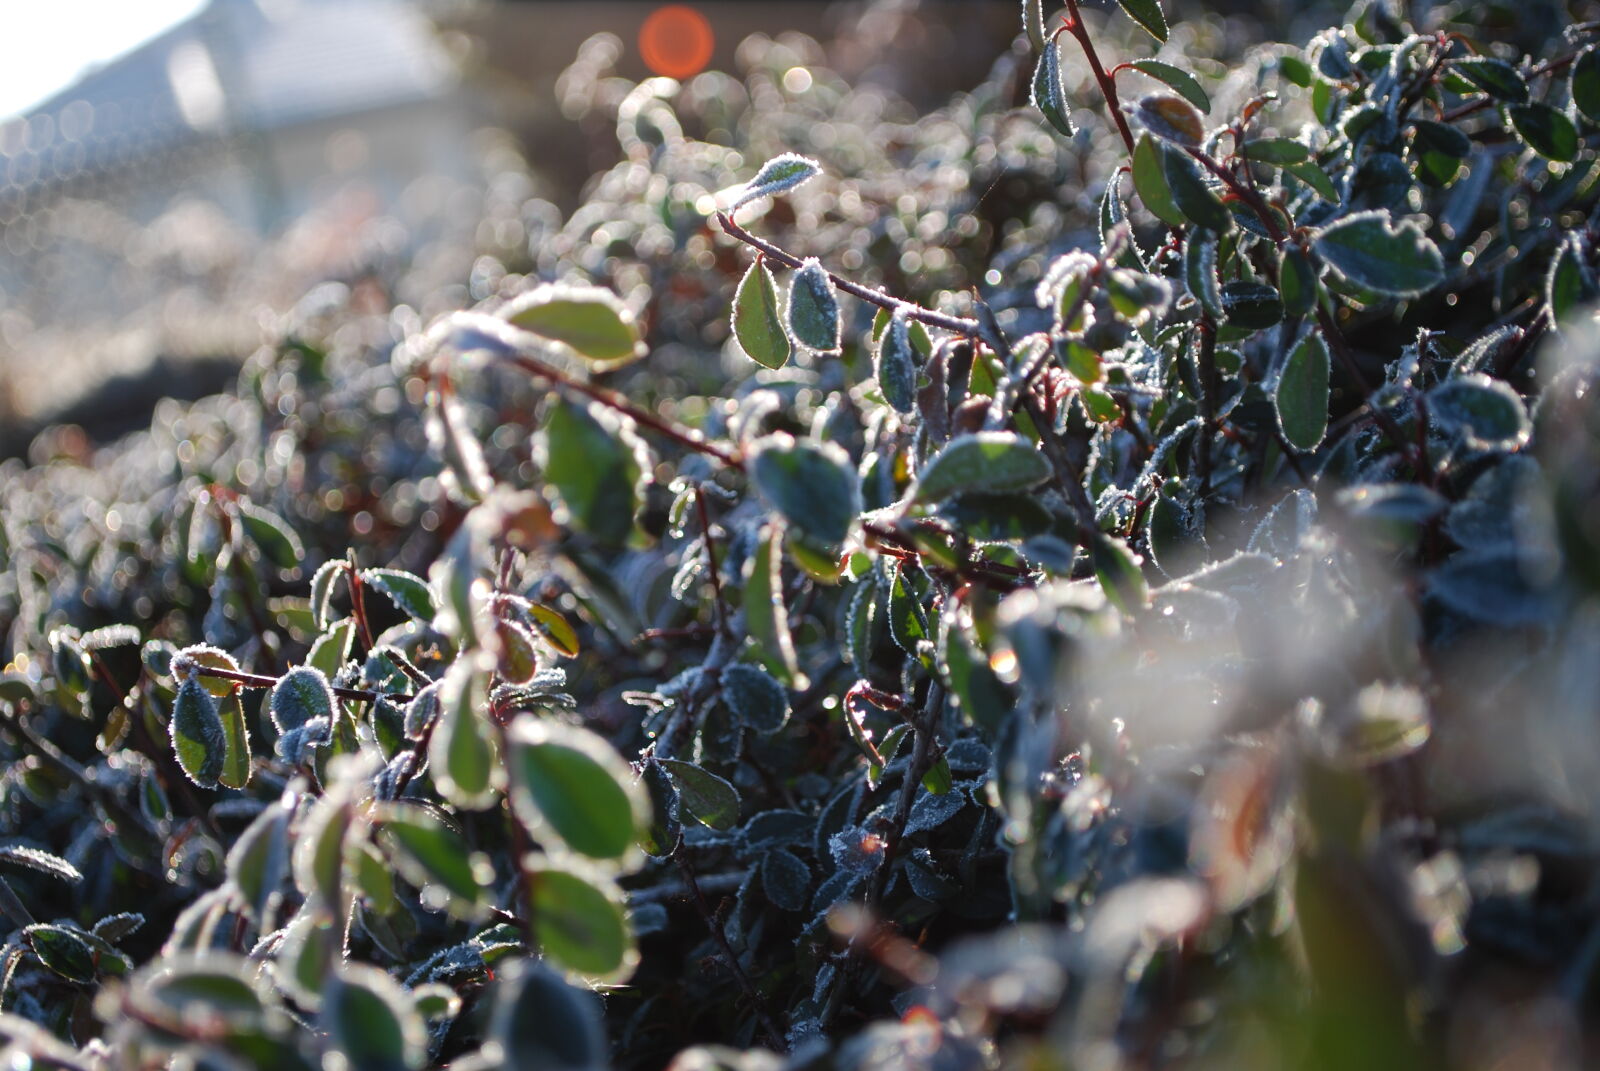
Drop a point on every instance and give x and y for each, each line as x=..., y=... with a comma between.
x=1115, y=669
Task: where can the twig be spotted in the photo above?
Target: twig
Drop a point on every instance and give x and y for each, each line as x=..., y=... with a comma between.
x=719, y=604
x=1208, y=400
x=768, y=1023
x=684, y=437
x=954, y=324
x=1108, y=86
x=256, y=680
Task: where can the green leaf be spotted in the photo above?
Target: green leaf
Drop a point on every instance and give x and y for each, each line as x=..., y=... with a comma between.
x=1147, y=13
x=812, y=485
x=897, y=370
x=755, y=697
x=580, y=923
x=1049, y=91
x=1371, y=251
x=322, y=589
x=1179, y=79
x=1487, y=411
x=1297, y=278
x=938, y=780
x=568, y=784
x=1280, y=151
x=1251, y=305
x=778, y=175
x=756, y=323
x=1546, y=131
x=235, y=771
x=1312, y=175
x=331, y=649
x=461, y=752
x=814, y=308
x=257, y=862
x=409, y=592
x=272, y=536
x=766, y=614
x=554, y=628
x=1495, y=77
x=197, y=735
x=1171, y=118
x=41, y=862
x=1301, y=394
x=993, y=462
x=1117, y=569
x=319, y=854
x=1200, y=272
x=708, y=798
x=214, y=995
x=1569, y=283
x=1194, y=198
x=540, y=1021
x=1150, y=181
x=370, y=1021
x=1586, y=84
x=786, y=880
x=908, y=620
x=65, y=951
x=301, y=694
x=589, y=320
x=428, y=852
x=591, y=460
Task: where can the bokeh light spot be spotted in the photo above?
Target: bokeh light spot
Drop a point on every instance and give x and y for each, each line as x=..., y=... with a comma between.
x=676, y=41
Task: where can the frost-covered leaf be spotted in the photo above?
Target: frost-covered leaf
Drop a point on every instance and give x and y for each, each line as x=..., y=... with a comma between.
x=568, y=784
x=197, y=735
x=40, y=861
x=1050, y=91
x=778, y=175
x=994, y=462
x=755, y=698
x=580, y=923
x=1487, y=411
x=1147, y=13
x=814, y=308
x=757, y=323
x=300, y=695
x=409, y=592
x=1301, y=393
x=589, y=320
x=708, y=798
x=786, y=879
x=1370, y=250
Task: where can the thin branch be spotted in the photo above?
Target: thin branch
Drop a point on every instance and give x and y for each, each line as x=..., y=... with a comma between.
x=257, y=680
x=1108, y=85
x=757, y=1001
x=685, y=437
x=719, y=603
x=954, y=324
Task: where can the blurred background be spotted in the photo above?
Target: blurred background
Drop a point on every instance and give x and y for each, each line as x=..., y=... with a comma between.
x=176, y=173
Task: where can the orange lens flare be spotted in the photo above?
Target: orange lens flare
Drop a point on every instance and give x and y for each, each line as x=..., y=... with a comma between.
x=676, y=41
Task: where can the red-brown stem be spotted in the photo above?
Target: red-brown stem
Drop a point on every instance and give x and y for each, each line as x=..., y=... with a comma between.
x=685, y=437
x=257, y=680
x=1472, y=107
x=719, y=604
x=954, y=324
x=1208, y=399
x=358, y=599
x=1108, y=86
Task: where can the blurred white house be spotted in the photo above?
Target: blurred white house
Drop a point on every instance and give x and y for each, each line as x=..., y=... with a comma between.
x=257, y=147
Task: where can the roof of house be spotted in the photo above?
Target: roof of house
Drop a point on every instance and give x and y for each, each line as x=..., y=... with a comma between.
x=236, y=66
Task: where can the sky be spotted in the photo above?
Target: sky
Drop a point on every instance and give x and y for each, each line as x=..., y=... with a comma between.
x=48, y=43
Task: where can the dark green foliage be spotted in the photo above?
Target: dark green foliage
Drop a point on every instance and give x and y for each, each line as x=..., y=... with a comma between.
x=1176, y=651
